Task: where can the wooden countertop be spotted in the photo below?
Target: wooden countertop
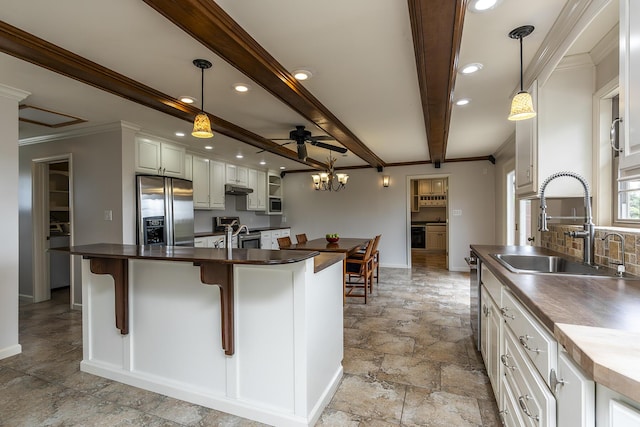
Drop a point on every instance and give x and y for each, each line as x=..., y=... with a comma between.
x=596, y=319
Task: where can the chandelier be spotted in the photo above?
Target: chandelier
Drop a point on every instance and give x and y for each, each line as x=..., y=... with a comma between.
x=329, y=180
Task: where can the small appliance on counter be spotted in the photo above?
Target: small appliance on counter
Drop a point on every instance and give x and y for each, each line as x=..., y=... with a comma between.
x=246, y=239
x=165, y=211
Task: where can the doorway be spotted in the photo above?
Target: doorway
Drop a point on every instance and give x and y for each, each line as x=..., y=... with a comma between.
x=429, y=224
x=52, y=216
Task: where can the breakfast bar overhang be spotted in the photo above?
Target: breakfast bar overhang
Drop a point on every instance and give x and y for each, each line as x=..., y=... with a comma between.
x=254, y=333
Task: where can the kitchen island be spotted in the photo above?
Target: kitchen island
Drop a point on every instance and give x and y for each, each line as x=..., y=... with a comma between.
x=255, y=333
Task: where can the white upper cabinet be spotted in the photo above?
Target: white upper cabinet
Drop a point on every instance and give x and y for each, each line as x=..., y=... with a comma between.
x=559, y=138
x=629, y=86
x=237, y=175
x=256, y=200
x=159, y=158
x=208, y=183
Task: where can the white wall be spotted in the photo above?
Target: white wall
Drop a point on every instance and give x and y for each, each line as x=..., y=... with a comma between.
x=365, y=208
x=98, y=185
x=9, y=99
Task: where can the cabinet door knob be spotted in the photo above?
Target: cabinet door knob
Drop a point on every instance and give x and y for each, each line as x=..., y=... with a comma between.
x=555, y=381
x=506, y=315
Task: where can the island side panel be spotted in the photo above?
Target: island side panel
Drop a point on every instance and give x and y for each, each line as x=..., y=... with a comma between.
x=175, y=326
x=324, y=332
x=103, y=345
x=264, y=335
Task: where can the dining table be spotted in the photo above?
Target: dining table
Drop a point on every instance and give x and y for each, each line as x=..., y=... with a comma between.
x=346, y=245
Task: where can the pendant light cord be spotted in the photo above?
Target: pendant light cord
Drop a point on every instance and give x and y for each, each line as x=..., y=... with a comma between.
x=202, y=81
x=521, y=73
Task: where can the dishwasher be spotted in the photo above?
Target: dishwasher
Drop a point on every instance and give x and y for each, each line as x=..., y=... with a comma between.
x=475, y=269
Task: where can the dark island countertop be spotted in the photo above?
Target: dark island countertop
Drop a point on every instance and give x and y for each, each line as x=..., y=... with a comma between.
x=596, y=318
x=198, y=255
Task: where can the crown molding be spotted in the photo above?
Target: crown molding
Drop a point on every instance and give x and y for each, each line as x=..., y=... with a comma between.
x=89, y=130
x=573, y=19
x=13, y=93
x=609, y=43
x=580, y=60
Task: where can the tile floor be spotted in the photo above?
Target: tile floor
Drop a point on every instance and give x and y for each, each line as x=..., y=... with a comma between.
x=409, y=361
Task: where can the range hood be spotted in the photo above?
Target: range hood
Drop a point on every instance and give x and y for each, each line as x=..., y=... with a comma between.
x=236, y=190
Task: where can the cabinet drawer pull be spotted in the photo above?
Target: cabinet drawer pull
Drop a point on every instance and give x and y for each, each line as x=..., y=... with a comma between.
x=523, y=405
x=485, y=310
x=504, y=310
x=523, y=340
x=502, y=414
x=504, y=359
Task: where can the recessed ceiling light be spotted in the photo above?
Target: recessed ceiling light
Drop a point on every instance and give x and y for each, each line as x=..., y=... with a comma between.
x=239, y=156
x=187, y=99
x=208, y=147
x=483, y=5
x=302, y=74
x=179, y=133
x=241, y=87
x=471, y=68
x=262, y=162
x=282, y=167
x=463, y=101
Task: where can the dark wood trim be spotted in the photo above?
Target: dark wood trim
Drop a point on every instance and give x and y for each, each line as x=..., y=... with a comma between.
x=221, y=275
x=27, y=47
x=118, y=268
x=489, y=158
x=436, y=26
x=208, y=23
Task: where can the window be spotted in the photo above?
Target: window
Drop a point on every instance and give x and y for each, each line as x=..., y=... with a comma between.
x=627, y=188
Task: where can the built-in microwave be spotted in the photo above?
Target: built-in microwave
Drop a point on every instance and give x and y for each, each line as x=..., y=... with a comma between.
x=275, y=204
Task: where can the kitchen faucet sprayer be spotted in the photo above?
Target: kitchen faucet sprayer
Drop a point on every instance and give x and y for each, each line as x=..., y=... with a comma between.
x=588, y=231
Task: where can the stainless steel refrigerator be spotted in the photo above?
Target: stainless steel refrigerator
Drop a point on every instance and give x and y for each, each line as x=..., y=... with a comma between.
x=165, y=211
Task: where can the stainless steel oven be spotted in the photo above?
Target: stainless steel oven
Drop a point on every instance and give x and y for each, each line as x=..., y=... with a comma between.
x=249, y=240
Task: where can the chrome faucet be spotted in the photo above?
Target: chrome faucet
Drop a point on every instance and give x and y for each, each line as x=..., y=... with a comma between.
x=231, y=234
x=588, y=231
x=621, y=268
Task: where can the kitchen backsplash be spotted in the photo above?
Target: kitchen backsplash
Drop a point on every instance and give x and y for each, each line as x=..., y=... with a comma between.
x=605, y=255
x=429, y=214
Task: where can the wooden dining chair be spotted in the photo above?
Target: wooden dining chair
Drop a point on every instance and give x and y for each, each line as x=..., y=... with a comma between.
x=361, y=268
x=301, y=238
x=375, y=253
x=284, y=242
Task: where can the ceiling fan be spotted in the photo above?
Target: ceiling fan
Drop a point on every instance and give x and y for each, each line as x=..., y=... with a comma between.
x=300, y=136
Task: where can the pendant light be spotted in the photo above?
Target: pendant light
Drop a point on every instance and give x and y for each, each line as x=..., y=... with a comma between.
x=522, y=104
x=201, y=124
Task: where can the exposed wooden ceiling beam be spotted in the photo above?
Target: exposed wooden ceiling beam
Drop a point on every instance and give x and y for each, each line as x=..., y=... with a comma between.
x=30, y=48
x=436, y=26
x=208, y=23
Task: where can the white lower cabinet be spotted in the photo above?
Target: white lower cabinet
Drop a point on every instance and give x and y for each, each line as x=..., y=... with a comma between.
x=615, y=410
x=490, y=339
x=509, y=413
x=575, y=394
x=265, y=240
x=269, y=239
x=200, y=242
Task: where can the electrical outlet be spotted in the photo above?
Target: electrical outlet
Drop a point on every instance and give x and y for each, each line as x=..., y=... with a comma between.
x=457, y=212
x=108, y=215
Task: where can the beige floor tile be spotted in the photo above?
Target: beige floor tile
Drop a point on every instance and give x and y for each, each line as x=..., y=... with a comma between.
x=440, y=409
x=410, y=370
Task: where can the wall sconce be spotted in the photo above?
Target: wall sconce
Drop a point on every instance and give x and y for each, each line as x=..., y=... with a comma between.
x=385, y=180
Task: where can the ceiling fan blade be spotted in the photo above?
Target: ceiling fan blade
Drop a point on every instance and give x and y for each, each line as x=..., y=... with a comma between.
x=322, y=138
x=302, y=151
x=329, y=147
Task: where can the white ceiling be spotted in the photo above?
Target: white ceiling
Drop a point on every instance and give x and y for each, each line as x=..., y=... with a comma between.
x=360, y=52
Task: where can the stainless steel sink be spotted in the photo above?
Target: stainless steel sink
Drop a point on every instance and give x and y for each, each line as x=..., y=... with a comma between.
x=548, y=264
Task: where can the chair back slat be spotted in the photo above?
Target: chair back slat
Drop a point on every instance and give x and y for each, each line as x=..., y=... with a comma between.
x=284, y=242
x=301, y=238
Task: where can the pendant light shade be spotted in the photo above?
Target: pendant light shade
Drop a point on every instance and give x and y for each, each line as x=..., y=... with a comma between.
x=522, y=107
x=522, y=103
x=202, y=124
